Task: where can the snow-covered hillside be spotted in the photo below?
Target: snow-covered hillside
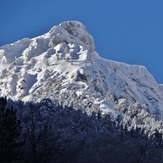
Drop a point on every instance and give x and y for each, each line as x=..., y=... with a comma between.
x=63, y=65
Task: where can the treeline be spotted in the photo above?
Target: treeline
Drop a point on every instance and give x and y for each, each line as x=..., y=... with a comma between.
x=45, y=132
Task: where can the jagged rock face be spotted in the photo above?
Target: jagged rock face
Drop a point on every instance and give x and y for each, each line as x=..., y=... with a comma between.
x=64, y=66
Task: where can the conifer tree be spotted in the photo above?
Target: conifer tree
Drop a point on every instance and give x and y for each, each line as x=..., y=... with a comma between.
x=10, y=131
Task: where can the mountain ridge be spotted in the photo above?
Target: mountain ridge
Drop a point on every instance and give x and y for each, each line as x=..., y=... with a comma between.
x=63, y=65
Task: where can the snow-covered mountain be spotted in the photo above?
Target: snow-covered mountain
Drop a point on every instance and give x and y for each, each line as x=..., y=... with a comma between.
x=63, y=65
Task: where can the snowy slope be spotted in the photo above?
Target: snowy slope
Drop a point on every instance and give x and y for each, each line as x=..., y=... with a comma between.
x=64, y=66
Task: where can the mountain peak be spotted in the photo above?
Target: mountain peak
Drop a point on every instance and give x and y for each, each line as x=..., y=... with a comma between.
x=63, y=65
x=72, y=32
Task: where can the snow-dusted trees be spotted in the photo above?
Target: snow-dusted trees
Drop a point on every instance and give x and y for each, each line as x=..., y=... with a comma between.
x=53, y=133
x=37, y=131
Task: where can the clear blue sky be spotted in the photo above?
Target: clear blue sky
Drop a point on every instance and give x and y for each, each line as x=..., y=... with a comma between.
x=129, y=31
